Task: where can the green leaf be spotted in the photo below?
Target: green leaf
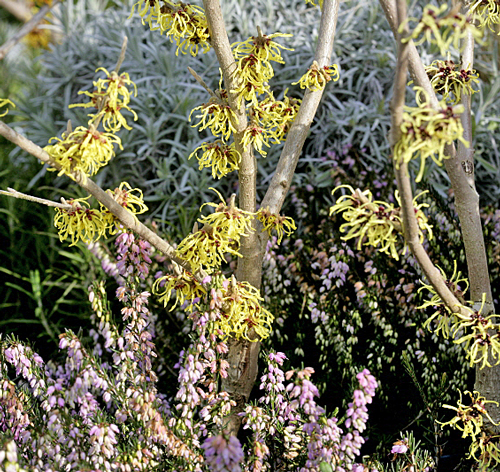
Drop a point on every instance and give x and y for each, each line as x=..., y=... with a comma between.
x=325, y=467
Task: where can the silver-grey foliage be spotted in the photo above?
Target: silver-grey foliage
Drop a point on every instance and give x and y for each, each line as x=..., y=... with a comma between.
x=155, y=156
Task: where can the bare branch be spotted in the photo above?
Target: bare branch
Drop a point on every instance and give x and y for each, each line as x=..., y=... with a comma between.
x=23, y=196
x=17, y=8
x=26, y=29
x=126, y=218
x=122, y=54
x=248, y=267
x=202, y=83
x=410, y=224
x=282, y=179
x=466, y=197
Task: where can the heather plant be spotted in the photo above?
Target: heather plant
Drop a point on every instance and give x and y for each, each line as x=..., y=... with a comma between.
x=197, y=428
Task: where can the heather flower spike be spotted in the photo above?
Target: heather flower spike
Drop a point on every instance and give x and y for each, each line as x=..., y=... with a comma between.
x=3, y=103
x=317, y=77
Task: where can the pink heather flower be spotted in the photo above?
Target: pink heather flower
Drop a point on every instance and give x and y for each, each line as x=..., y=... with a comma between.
x=399, y=447
x=223, y=454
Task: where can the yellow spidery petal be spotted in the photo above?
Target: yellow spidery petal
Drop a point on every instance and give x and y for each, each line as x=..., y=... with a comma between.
x=242, y=315
x=449, y=80
x=486, y=13
x=80, y=223
x=85, y=150
x=185, y=286
x=220, y=234
x=3, y=103
x=425, y=132
x=216, y=116
x=221, y=158
x=317, y=77
x=272, y=221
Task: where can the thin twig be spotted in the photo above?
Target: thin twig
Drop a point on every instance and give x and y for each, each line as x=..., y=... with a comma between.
x=23, y=196
x=128, y=219
x=26, y=29
x=202, y=83
x=122, y=54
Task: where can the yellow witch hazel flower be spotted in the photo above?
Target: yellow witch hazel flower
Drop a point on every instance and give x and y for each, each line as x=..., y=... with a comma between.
x=88, y=224
x=111, y=95
x=470, y=418
x=256, y=136
x=217, y=116
x=252, y=75
x=219, y=235
x=254, y=69
x=84, y=149
x=242, y=313
x=486, y=451
x=281, y=224
x=263, y=47
x=486, y=13
x=425, y=132
x=317, y=77
x=129, y=198
x=443, y=31
x=478, y=333
x=185, y=286
x=444, y=317
x=3, y=103
x=276, y=116
x=374, y=223
x=315, y=3
x=183, y=23
x=221, y=158
x=80, y=223
x=450, y=81
x=480, y=336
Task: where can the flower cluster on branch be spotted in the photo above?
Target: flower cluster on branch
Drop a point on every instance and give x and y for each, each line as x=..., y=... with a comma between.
x=183, y=23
